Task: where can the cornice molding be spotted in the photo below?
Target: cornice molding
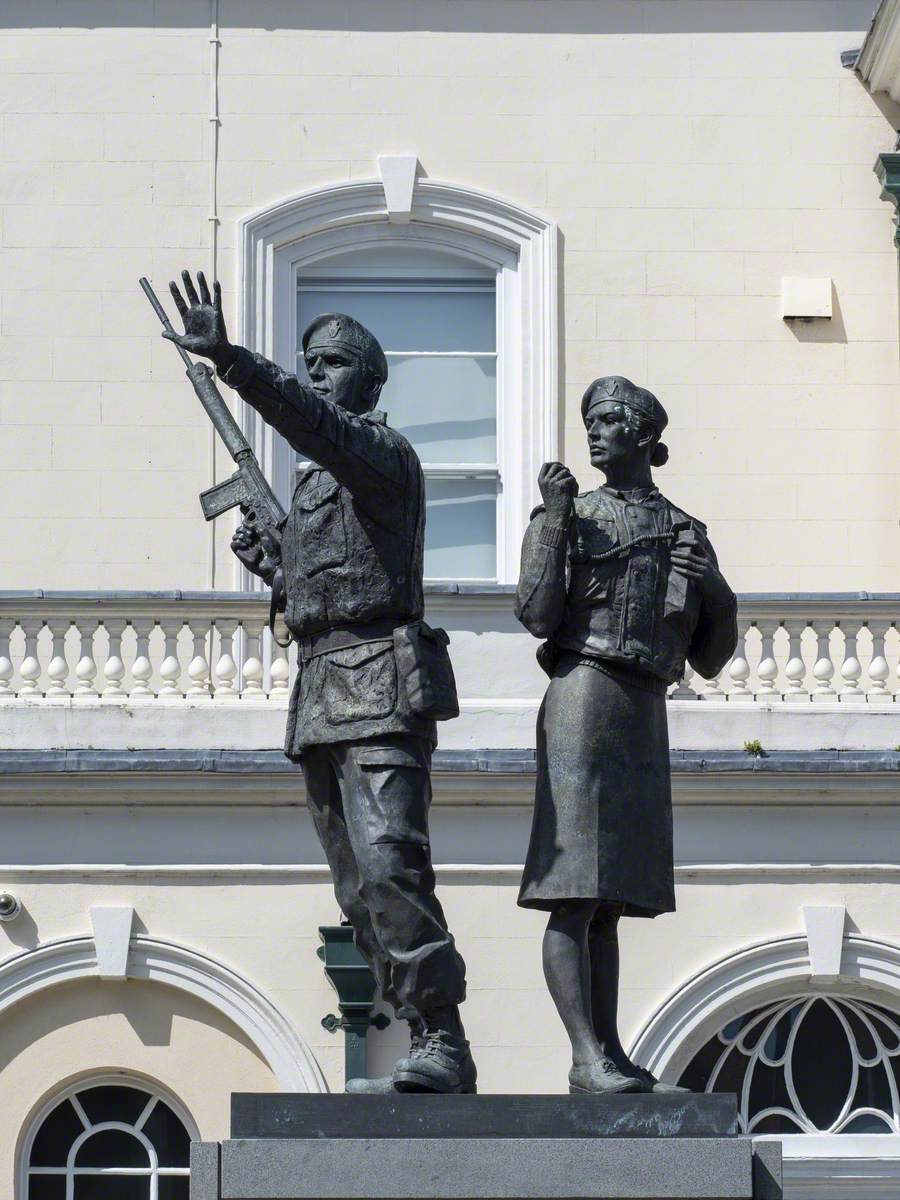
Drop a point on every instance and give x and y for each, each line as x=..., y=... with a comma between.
x=878, y=64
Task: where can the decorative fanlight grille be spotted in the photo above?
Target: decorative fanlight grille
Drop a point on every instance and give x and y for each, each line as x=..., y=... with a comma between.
x=815, y=1064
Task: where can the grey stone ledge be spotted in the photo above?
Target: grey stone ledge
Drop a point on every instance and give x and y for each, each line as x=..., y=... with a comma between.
x=450, y=762
x=489, y=1168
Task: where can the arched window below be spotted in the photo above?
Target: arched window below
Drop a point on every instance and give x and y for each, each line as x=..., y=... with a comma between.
x=109, y=1139
x=819, y=1064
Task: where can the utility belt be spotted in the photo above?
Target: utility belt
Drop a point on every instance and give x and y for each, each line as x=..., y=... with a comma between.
x=343, y=636
x=426, y=685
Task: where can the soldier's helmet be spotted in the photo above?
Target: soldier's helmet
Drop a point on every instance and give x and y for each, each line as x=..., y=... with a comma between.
x=337, y=329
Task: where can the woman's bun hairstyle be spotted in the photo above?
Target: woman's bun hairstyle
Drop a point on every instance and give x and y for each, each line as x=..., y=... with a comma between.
x=660, y=455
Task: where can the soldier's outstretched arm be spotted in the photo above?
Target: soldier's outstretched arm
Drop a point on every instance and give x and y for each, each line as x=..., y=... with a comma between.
x=357, y=452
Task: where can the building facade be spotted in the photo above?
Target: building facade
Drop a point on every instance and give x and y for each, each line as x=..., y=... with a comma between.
x=517, y=197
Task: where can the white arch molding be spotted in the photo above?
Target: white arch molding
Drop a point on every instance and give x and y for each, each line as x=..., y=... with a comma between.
x=732, y=985
x=290, y=1059
x=520, y=245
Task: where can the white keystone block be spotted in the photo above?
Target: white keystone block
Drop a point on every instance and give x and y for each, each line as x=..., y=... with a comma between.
x=112, y=934
x=825, y=938
x=398, y=175
x=805, y=298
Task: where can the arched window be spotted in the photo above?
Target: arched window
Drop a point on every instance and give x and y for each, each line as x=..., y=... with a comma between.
x=815, y=1064
x=462, y=296
x=109, y=1139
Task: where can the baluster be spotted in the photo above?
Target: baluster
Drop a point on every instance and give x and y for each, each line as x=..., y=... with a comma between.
x=198, y=668
x=226, y=667
x=170, y=667
x=142, y=668
x=114, y=668
x=851, y=669
x=253, y=668
x=684, y=691
x=795, y=671
x=767, y=671
x=739, y=668
x=281, y=669
x=824, y=667
x=86, y=667
x=30, y=670
x=713, y=689
x=879, y=671
x=58, y=667
x=6, y=667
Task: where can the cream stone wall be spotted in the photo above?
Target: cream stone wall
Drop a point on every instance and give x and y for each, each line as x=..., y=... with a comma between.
x=265, y=931
x=688, y=170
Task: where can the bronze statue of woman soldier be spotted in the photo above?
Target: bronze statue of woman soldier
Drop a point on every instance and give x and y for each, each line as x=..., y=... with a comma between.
x=625, y=588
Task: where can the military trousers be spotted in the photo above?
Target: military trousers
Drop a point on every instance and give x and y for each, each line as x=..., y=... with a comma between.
x=369, y=800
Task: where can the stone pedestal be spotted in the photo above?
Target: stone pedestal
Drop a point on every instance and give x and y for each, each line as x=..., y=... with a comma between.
x=303, y=1147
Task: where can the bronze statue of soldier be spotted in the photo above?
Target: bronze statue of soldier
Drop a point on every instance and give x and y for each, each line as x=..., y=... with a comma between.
x=625, y=588
x=372, y=676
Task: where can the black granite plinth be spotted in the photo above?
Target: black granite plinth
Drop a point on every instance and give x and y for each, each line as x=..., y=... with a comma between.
x=262, y=1115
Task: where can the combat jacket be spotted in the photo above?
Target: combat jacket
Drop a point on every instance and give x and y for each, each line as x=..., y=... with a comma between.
x=605, y=587
x=352, y=555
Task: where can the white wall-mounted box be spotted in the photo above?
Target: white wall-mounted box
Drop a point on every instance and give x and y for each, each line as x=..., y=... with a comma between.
x=805, y=299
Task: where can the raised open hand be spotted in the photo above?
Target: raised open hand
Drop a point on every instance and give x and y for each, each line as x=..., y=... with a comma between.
x=204, y=324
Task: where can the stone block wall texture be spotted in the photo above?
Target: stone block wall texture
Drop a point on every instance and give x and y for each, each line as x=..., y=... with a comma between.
x=688, y=168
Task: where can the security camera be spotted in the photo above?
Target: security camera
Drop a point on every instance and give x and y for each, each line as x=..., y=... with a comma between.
x=10, y=906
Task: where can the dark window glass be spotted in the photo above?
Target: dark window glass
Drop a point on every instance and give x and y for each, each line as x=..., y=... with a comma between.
x=887, y=1032
x=46, y=1187
x=113, y=1103
x=776, y=1123
x=701, y=1066
x=868, y=1123
x=865, y=1043
x=112, y=1148
x=768, y=1089
x=731, y=1076
x=55, y=1137
x=821, y=1079
x=174, y=1187
x=169, y=1137
x=112, y=1187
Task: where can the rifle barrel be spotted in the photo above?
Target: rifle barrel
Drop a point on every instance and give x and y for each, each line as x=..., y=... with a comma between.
x=161, y=313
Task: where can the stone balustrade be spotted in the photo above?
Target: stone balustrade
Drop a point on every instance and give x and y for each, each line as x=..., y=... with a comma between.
x=163, y=647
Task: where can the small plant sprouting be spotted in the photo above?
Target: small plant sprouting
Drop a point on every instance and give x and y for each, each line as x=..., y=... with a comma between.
x=754, y=748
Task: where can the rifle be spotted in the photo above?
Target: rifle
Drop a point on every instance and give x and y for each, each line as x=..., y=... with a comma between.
x=247, y=489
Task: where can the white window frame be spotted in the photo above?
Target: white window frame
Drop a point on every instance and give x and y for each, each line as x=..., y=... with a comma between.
x=154, y=1093
x=518, y=245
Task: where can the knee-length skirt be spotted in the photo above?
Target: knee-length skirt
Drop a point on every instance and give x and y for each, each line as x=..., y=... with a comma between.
x=602, y=826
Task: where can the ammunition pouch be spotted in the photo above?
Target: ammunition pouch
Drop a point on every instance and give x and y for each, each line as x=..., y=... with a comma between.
x=425, y=673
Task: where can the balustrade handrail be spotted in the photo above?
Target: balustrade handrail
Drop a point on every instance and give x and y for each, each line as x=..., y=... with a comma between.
x=172, y=644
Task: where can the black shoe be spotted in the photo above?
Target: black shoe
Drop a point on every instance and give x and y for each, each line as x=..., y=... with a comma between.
x=601, y=1075
x=441, y=1063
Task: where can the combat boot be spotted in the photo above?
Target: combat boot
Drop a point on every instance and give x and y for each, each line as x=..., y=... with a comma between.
x=442, y=1063
x=383, y=1085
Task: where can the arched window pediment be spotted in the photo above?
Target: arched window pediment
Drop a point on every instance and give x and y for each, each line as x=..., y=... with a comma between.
x=518, y=248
